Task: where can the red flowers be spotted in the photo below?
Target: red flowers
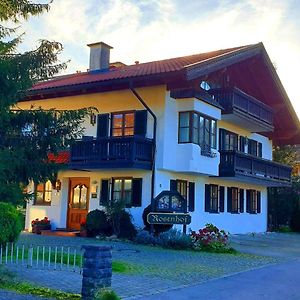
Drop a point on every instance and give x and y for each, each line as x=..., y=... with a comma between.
x=83, y=222
x=209, y=237
x=44, y=221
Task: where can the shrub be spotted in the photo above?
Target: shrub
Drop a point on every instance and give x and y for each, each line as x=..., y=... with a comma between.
x=106, y=294
x=145, y=238
x=211, y=239
x=157, y=228
x=284, y=228
x=10, y=223
x=175, y=239
x=97, y=223
x=127, y=229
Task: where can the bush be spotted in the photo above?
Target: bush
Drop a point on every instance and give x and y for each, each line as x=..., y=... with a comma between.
x=211, y=239
x=97, y=223
x=175, y=239
x=284, y=228
x=145, y=238
x=127, y=229
x=106, y=294
x=10, y=223
x=157, y=228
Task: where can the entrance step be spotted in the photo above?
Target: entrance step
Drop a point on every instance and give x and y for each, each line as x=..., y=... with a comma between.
x=60, y=232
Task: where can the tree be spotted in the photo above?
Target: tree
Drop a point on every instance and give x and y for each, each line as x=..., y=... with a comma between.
x=284, y=203
x=27, y=136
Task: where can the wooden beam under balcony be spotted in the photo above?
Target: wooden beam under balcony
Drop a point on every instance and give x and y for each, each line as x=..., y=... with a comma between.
x=112, y=152
x=244, y=110
x=248, y=168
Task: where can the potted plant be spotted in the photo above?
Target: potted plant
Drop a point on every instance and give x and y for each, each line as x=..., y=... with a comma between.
x=39, y=225
x=83, y=231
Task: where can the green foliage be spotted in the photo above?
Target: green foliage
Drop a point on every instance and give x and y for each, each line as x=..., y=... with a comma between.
x=175, y=239
x=97, y=223
x=10, y=223
x=120, y=220
x=127, y=229
x=211, y=239
x=284, y=228
x=172, y=239
x=157, y=228
x=27, y=136
x=285, y=155
x=106, y=294
x=144, y=237
x=283, y=206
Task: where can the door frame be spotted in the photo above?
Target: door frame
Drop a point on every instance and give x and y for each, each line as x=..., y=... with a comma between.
x=69, y=197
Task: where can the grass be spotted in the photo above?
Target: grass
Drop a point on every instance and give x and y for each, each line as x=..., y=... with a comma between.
x=9, y=282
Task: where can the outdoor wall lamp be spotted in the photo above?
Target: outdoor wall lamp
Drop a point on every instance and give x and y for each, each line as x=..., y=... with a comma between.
x=58, y=185
x=93, y=118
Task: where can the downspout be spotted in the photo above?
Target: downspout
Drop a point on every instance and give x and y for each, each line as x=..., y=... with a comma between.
x=154, y=139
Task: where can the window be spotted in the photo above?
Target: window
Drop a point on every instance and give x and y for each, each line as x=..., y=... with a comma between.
x=123, y=124
x=182, y=188
x=43, y=193
x=186, y=190
x=253, y=201
x=228, y=140
x=214, y=198
x=122, y=190
x=252, y=147
x=233, y=200
x=79, y=196
x=197, y=129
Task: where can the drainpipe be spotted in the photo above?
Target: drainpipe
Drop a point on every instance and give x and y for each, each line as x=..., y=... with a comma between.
x=154, y=146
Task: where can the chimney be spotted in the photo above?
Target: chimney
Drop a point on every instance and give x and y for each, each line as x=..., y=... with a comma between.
x=99, y=56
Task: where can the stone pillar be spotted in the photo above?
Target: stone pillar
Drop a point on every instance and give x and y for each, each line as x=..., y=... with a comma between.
x=97, y=270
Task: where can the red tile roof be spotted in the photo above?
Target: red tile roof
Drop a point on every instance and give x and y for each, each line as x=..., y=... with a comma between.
x=63, y=157
x=136, y=70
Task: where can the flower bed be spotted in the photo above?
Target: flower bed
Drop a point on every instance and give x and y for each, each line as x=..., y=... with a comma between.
x=39, y=225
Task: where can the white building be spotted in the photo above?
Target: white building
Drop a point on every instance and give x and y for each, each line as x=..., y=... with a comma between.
x=202, y=124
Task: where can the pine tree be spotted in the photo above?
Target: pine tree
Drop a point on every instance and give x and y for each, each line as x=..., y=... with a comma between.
x=27, y=136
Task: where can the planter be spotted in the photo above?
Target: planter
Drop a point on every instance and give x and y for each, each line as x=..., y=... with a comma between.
x=37, y=228
x=83, y=233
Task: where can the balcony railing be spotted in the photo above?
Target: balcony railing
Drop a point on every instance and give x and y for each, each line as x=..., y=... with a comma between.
x=234, y=163
x=113, y=152
x=233, y=100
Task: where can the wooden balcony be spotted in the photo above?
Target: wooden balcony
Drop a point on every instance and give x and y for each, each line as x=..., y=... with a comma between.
x=112, y=152
x=247, y=168
x=243, y=109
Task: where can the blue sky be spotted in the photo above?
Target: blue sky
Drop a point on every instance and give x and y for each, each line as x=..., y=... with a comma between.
x=148, y=30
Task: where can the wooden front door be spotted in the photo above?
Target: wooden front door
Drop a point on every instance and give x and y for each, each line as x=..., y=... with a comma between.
x=78, y=204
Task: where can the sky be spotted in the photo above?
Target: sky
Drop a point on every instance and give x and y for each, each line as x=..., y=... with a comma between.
x=146, y=30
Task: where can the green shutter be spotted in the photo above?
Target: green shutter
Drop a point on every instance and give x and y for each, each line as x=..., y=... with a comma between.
x=137, y=192
x=258, y=202
x=222, y=133
x=104, y=195
x=173, y=185
x=140, y=123
x=248, y=201
x=229, y=199
x=241, y=200
x=207, y=198
x=222, y=198
x=102, y=125
x=191, y=196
